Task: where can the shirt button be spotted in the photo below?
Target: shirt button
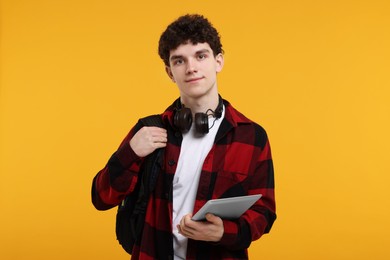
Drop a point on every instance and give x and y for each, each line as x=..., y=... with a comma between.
x=171, y=162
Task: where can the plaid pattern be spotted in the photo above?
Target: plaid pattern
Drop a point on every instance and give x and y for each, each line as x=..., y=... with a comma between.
x=239, y=163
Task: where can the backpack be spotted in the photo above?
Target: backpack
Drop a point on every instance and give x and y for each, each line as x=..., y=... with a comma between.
x=130, y=217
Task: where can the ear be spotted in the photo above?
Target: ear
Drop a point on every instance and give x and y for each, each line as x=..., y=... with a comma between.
x=219, y=61
x=169, y=72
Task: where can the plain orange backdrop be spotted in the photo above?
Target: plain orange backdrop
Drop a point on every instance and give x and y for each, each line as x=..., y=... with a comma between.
x=76, y=75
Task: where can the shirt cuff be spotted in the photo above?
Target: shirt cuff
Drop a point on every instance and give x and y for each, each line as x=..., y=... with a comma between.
x=127, y=156
x=229, y=234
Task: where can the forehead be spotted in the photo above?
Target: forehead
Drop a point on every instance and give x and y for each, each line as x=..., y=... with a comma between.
x=188, y=49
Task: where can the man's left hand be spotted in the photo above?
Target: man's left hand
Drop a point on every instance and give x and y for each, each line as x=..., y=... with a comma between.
x=209, y=230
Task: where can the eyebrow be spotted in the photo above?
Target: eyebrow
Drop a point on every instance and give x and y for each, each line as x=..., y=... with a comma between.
x=175, y=57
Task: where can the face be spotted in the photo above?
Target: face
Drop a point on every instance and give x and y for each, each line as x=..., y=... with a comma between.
x=194, y=69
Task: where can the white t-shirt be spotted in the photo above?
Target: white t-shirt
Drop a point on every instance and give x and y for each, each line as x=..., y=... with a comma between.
x=194, y=150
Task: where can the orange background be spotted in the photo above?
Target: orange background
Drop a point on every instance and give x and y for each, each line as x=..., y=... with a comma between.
x=76, y=75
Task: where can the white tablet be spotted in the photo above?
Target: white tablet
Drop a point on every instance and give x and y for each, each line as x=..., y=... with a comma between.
x=228, y=208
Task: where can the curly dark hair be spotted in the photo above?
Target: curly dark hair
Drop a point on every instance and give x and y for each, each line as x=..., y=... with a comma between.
x=192, y=28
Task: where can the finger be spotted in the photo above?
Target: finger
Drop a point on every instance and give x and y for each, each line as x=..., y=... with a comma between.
x=159, y=145
x=185, y=228
x=187, y=221
x=157, y=142
x=210, y=217
x=183, y=232
x=153, y=131
x=214, y=219
x=157, y=130
x=186, y=233
x=160, y=139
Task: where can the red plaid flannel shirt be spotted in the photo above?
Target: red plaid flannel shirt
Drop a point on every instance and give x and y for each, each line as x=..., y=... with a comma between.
x=239, y=163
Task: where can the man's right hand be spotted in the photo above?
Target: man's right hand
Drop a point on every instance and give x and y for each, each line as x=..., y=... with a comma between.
x=148, y=139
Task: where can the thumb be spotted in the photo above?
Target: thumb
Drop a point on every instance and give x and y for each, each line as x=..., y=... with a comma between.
x=211, y=217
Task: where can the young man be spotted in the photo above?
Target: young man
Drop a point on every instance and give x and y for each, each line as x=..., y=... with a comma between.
x=218, y=154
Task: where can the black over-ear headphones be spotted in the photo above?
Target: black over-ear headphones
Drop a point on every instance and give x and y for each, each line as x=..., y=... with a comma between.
x=182, y=118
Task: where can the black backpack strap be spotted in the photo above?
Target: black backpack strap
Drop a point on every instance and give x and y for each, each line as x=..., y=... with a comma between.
x=154, y=159
x=131, y=213
x=153, y=120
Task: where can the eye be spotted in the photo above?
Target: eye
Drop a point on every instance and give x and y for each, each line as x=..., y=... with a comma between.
x=202, y=56
x=178, y=62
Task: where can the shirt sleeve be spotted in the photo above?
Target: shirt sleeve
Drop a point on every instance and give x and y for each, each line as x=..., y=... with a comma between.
x=258, y=220
x=118, y=177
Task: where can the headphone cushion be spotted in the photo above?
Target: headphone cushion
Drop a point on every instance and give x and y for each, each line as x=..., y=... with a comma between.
x=201, y=123
x=183, y=119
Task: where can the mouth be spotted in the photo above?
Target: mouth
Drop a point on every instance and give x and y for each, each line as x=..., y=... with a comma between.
x=191, y=80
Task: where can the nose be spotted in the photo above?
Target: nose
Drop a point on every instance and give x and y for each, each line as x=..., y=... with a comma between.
x=191, y=66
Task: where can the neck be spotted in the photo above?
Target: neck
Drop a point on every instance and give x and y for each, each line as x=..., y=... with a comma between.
x=202, y=104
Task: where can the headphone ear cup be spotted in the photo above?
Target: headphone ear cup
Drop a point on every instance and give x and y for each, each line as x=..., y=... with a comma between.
x=183, y=119
x=201, y=123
